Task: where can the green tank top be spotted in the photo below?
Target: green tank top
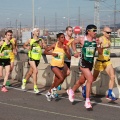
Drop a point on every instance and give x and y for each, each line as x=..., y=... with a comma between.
x=6, y=49
x=88, y=50
x=36, y=51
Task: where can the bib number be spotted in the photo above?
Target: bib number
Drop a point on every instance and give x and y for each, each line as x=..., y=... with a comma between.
x=90, y=51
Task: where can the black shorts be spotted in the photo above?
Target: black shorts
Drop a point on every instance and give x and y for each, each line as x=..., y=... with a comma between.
x=4, y=62
x=36, y=61
x=85, y=64
x=68, y=64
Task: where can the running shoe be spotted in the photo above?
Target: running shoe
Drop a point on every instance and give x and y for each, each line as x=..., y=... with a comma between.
x=88, y=104
x=84, y=91
x=8, y=83
x=4, y=89
x=23, y=84
x=36, y=90
x=70, y=93
x=48, y=95
x=54, y=93
x=110, y=97
x=59, y=87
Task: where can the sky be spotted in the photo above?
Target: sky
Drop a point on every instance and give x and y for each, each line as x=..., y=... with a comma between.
x=51, y=13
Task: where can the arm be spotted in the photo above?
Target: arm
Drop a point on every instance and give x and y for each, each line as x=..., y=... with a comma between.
x=1, y=42
x=26, y=44
x=73, y=45
x=47, y=49
x=16, y=44
x=99, y=42
x=67, y=51
x=44, y=44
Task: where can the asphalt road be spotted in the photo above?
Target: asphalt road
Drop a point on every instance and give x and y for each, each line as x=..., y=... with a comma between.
x=19, y=105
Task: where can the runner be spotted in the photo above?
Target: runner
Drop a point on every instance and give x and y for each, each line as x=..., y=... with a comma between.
x=103, y=61
x=89, y=46
x=68, y=41
x=57, y=63
x=7, y=47
x=34, y=55
x=12, y=57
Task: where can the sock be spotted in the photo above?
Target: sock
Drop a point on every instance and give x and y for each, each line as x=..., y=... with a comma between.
x=24, y=80
x=35, y=86
x=87, y=99
x=109, y=92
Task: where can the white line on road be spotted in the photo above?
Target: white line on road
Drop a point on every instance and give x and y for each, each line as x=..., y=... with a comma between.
x=103, y=104
x=45, y=111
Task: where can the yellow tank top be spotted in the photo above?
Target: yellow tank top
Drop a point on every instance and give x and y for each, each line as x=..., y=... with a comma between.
x=59, y=60
x=106, y=51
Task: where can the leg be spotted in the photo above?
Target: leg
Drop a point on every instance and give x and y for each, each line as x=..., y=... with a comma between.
x=66, y=70
x=110, y=71
x=29, y=73
x=79, y=82
x=1, y=71
x=89, y=77
x=59, y=77
x=95, y=74
x=7, y=72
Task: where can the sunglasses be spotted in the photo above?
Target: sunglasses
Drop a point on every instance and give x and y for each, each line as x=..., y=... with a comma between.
x=107, y=32
x=93, y=30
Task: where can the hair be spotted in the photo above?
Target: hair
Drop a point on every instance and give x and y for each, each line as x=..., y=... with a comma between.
x=68, y=27
x=89, y=27
x=8, y=31
x=59, y=34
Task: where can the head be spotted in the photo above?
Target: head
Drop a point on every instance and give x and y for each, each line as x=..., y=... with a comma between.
x=69, y=31
x=91, y=30
x=36, y=32
x=8, y=34
x=61, y=37
x=107, y=32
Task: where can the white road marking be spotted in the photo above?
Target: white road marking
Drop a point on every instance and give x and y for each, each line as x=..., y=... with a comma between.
x=103, y=104
x=45, y=111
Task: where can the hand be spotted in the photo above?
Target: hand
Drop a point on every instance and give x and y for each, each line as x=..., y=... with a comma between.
x=97, y=41
x=28, y=47
x=54, y=54
x=65, y=48
x=1, y=54
x=76, y=55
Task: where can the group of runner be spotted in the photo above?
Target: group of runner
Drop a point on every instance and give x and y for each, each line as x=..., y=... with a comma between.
x=61, y=60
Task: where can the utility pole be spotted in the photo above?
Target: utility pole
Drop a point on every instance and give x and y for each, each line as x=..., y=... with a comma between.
x=114, y=20
x=44, y=26
x=96, y=15
x=33, y=14
x=79, y=16
x=68, y=12
x=55, y=22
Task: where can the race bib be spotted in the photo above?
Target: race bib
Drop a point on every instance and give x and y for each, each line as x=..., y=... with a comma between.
x=36, y=50
x=60, y=56
x=7, y=53
x=90, y=51
x=106, y=52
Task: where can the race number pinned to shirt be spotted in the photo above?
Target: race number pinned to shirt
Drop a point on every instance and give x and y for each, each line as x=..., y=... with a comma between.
x=90, y=51
x=106, y=52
